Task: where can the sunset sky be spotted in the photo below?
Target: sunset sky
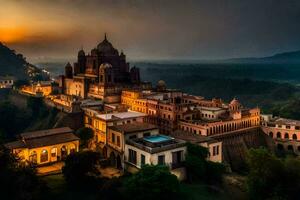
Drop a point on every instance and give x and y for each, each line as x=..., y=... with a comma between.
x=191, y=29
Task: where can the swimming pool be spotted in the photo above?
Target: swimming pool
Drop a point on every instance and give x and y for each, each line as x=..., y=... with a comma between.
x=157, y=138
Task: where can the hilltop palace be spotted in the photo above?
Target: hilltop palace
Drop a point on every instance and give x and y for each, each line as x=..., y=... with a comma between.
x=135, y=123
x=102, y=74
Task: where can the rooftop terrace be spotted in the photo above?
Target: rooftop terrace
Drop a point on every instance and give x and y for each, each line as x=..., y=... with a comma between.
x=156, y=143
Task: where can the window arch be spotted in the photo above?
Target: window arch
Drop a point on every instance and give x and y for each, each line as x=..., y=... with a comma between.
x=53, y=152
x=63, y=152
x=294, y=136
x=286, y=136
x=271, y=134
x=278, y=135
x=33, y=157
x=44, y=155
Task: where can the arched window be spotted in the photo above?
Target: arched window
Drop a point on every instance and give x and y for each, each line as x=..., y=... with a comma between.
x=53, y=152
x=294, y=136
x=44, y=155
x=63, y=152
x=271, y=134
x=286, y=136
x=33, y=157
x=278, y=135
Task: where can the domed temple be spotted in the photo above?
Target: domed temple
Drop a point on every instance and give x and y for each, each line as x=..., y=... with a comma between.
x=101, y=74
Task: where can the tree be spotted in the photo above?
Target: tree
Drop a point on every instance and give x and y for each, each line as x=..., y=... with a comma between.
x=12, y=120
x=152, y=182
x=18, y=181
x=80, y=169
x=85, y=134
x=266, y=175
x=199, y=169
x=292, y=177
x=37, y=107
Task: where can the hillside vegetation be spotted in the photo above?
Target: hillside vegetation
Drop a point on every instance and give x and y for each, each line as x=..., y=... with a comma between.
x=15, y=64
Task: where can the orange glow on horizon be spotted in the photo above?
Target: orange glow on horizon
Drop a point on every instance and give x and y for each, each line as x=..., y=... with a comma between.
x=12, y=35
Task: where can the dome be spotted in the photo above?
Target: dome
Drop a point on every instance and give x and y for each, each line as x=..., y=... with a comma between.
x=161, y=83
x=68, y=65
x=106, y=47
x=234, y=102
x=105, y=66
x=94, y=52
x=81, y=53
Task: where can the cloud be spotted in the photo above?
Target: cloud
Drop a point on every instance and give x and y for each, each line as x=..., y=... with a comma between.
x=196, y=29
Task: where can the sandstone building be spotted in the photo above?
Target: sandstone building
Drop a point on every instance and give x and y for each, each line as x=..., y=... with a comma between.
x=102, y=74
x=45, y=146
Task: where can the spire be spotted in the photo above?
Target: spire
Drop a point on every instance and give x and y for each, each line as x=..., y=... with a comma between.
x=105, y=37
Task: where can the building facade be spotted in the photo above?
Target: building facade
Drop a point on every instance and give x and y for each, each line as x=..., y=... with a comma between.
x=284, y=132
x=6, y=82
x=119, y=134
x=213, y=146
x=154, y=150
x=45, y=146
x=41, y=88
x=102, y=74
x=99, y=121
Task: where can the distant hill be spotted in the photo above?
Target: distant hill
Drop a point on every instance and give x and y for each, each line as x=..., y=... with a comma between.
x=292, y=57
x=15, y=64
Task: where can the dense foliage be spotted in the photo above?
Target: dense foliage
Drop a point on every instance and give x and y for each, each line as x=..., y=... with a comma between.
x=18, y=182
x=199, y=168
x=152, y=182
x=15, y=64
x=37, y=107
x=270, y=87
x=272, y=178
x=27, y=113
x=80, y=169
x=12, y=120
x=86, y=135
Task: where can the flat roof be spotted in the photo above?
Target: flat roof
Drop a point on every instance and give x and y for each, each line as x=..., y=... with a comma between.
x=285, y=121
x=211, y=108
x=192, y=137
x=47, y=132
x=156, y=143
x=133, y=127
x=120, y=115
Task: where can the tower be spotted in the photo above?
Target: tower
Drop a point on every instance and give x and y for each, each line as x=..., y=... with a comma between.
x=106, y=75
x=81, y=61
x=68, y=71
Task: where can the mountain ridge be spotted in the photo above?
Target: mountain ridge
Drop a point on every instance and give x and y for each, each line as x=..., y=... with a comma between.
x=289, y=57
x=15, y=64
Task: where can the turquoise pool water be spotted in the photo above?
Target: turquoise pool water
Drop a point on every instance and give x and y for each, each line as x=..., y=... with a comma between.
x=157, y=138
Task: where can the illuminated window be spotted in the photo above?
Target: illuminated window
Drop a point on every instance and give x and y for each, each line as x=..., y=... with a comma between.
x=118, y=141
x=33, y=157
x=53, y=152
x=44, y=155
x=294, y=137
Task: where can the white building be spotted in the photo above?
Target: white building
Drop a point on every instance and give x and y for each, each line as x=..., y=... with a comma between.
x=6, y=82
x=154, y=150
x=213, y=146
